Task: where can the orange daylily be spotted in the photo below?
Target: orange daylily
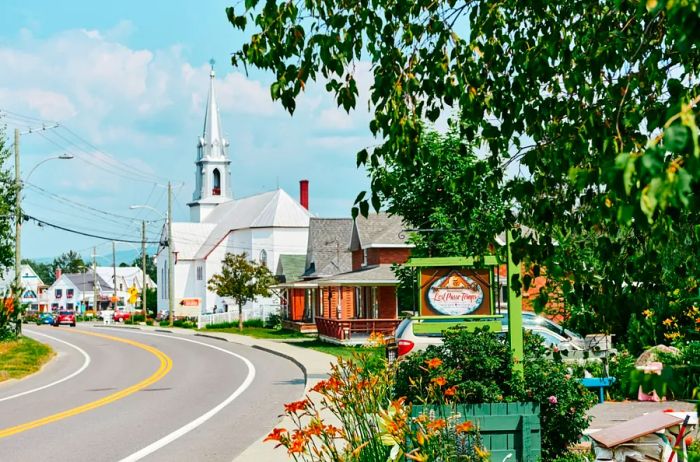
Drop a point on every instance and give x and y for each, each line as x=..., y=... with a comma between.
x=441, y=381
x=296, y=406
x=275, y=434
x=451, y=391
x=436, y=425
x=464, y=427
x=433, y=363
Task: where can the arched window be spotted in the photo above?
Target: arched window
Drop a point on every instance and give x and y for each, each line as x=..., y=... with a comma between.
x=263, y=257
x=216, y=190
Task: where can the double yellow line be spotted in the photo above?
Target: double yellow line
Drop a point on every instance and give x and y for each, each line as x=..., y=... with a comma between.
x=165, y=365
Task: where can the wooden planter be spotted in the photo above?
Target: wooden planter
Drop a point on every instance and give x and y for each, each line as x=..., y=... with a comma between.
x=506, y=428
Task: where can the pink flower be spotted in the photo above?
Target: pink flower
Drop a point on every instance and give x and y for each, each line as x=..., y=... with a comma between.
x=552, y=399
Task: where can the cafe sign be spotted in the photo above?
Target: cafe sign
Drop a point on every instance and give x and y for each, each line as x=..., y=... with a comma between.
x=456, y=292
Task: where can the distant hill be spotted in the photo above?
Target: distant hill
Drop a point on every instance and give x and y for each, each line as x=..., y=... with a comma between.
x=122, y=256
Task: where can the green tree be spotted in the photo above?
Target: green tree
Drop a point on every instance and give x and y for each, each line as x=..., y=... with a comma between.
x=151, y=269
x=241, y=280
x=69, y=262
x=10, y=308
x=594, y=101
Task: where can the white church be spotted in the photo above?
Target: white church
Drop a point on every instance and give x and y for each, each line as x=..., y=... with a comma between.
x=263, y=226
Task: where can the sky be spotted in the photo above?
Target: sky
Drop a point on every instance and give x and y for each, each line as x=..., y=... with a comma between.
x=127, y=81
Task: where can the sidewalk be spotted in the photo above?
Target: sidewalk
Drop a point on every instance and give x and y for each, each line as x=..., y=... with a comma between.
x=314, y=364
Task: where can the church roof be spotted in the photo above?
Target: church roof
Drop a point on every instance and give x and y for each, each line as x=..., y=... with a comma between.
x=266, y=210
x=188, y=238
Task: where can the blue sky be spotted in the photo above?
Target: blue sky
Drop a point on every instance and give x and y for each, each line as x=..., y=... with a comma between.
x=128, y=80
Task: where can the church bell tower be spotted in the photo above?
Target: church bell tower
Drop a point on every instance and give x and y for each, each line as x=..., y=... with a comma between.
x=212, y=174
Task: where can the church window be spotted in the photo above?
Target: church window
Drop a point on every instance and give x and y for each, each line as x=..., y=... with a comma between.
x=216, y=190
x=263, y=257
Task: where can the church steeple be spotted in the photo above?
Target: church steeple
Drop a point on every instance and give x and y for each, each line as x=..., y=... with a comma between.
x=213, y=179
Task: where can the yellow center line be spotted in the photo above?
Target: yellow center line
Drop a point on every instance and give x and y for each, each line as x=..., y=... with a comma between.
x=165, y=365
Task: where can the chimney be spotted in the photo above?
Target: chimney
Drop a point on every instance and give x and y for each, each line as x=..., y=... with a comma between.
x=304, y=193
x=57, y=273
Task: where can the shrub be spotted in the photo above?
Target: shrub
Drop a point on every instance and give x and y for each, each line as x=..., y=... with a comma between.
x=477, y=367
x=184, y=323
x=274, y=321
x=149, y=322
x=254, y=323
x=222, y=325
x=164, y=323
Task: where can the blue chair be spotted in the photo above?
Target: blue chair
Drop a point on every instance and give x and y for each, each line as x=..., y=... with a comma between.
x=600, y=383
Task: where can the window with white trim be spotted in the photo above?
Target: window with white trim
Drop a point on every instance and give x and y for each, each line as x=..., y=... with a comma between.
x=200, y=273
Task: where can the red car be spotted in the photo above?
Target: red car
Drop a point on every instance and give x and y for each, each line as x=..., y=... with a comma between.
x=64, y=317
x=121, y=316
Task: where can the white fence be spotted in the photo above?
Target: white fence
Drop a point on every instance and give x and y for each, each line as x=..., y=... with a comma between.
x=255, y=312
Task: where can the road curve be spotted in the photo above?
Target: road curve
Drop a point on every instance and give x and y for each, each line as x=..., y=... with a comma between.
x=125, y=402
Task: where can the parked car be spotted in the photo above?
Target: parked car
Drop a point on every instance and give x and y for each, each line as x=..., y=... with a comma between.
x=45, y=318
x=64, y=317
x=121, y=316
x=408, y=338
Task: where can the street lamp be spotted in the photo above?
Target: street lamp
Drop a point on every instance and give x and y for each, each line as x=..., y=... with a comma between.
x=18, y=204
x=168, y=221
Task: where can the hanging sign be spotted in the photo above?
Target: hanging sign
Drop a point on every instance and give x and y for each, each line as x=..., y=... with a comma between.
x=455, y=292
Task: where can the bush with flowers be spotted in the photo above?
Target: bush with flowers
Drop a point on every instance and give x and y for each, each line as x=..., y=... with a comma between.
x=476, y=367
x=367, y=425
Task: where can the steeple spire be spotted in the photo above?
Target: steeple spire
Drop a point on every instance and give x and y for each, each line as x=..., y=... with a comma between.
x=212, y=172
x=212, y=143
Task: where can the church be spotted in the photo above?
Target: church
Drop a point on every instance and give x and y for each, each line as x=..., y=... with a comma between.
x=263, y=226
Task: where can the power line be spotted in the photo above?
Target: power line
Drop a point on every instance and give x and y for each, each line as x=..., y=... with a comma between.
x=105, y=238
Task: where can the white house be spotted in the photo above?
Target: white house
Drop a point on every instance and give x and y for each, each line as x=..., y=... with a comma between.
x=263, y=226
x=32, y=287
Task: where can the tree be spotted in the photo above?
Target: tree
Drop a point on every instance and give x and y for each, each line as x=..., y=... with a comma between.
x=151, y=269
x=241, y=280
x=10, y=308
x=595, y=101
x=69, y=262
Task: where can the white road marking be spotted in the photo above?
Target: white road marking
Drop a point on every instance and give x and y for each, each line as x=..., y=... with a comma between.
x=167, y=439
x=86, y=363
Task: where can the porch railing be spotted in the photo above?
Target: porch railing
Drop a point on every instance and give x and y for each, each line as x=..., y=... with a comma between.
x=343, y=329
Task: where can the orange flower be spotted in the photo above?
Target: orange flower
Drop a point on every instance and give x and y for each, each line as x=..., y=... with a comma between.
x=436, y=425
x=333, y=431
x=275, y=434
x=297, y=445
x=440, y=381
x=315, y=428
x=451, y=391
x=464, y=427
x=433, y=363
x=320, y=387
x=296, y=406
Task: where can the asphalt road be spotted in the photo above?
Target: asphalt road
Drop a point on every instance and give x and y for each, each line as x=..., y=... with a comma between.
x=121, y=394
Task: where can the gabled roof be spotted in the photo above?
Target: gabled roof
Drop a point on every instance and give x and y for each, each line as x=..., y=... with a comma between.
x=84, y=281
x=327, y=250
x=377, y=275
x=291, y=267
x=188, y=238
x=378, y=230
x=266, y=210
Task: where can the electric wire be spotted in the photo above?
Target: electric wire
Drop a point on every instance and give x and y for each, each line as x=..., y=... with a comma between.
x=74, y=231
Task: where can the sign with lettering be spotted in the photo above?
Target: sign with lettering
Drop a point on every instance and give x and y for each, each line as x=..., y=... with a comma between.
x=455, y=292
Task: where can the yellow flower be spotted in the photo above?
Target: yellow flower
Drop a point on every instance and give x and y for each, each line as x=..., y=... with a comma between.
x=667, y=322
x=481, y=452
x=647, y=313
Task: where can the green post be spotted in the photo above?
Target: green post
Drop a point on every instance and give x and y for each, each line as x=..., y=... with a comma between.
x=515, y=311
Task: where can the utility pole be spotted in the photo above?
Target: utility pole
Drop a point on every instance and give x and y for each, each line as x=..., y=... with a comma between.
x=18, y=215
x=171, y=291
x=114, y=276
x=94, y=280
x=143, y=269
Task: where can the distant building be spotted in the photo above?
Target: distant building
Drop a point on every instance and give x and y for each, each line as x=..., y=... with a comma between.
x=76, y=291
x=32, y=287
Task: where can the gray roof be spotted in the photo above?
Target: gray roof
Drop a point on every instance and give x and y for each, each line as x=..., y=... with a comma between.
x=378, y=230
x=327, y=250
x=291, y=267
x=376, y=275
x=84, y=281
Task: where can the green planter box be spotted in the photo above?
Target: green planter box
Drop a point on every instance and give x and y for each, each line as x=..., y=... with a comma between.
x=506, y=428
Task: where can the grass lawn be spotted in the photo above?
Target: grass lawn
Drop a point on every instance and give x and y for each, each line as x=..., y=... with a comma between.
x=339, y=350
x=22, y=357
x=260, y=332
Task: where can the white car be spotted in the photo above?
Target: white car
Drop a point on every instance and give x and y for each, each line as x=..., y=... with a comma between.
x=417, y=333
